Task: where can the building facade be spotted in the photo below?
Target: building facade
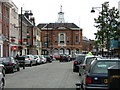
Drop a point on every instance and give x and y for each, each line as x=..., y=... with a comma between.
x=29, y=39
x=60, y=37
x=1, y=35
x=6, y=5
x=14, y=31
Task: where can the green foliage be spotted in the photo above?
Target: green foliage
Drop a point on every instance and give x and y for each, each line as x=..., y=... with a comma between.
x=107, y=25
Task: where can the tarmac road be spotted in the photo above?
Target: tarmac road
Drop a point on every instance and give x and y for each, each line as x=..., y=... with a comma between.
x=49, y=75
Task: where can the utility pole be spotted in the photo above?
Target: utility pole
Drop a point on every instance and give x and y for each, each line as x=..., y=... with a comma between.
x=103, y=33
x=21, y=34
x=102, y=41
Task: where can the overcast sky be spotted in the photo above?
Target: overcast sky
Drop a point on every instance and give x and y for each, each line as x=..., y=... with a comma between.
x=75, y=11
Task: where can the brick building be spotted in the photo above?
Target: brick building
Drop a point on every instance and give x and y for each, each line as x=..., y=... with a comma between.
x=30, y=35
x=60, y=37
x=6, y=5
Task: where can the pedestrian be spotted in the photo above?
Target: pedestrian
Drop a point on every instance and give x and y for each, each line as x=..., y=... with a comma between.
x=17, y=56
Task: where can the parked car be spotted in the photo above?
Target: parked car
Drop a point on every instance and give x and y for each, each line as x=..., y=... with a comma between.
x=2, y=77
x=10, y=64
x=48, y=58
x=37, y=59
x=27, y=60
x=2, y=69
x=64, y=57
x=96, y=76
x=57, y=57
x=43, y=59
x=78, y=60
x=85, y=63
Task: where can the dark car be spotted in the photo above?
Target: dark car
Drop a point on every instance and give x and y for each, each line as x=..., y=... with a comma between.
x=64, y=57
x=96, y=76
x=48, y=58
x=26, y=60
x=78, y=60
x=10, y=64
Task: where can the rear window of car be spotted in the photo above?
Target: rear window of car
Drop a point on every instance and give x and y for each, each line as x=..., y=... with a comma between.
x=80, y=58
x=102, y=66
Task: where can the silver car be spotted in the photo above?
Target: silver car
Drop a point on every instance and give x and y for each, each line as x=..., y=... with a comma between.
x=43, y=59
x=29, y=59
x=37, y=59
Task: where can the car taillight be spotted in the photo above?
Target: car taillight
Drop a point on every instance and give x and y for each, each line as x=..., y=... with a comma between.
x=10, y=64
x=29, y=59
x=84, y=65
x=88, y=80
x=75, y=62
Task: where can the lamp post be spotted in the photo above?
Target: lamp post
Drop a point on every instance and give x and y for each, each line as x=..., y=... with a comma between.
x=47, y=40
x=93, y=11
x=21, y=33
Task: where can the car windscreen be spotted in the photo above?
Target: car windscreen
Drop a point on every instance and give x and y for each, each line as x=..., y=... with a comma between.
x=80, y=58
x=5, y=60
x=102, y=66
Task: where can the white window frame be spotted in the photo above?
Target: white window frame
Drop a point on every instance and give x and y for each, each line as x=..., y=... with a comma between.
x=61, y=44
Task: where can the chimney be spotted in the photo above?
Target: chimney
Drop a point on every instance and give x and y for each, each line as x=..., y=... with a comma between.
x=27, y=14
x=32, y=19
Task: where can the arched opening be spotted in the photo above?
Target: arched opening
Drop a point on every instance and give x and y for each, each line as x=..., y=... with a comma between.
x=55, y=51
x=61, y=51
x=68, y=51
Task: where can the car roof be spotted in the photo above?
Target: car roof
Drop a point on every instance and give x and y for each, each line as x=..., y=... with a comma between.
x=87, y=56
x=108, y=59
x=81, y=55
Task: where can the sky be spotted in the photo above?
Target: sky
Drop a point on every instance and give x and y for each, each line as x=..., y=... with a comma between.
x=75, y=11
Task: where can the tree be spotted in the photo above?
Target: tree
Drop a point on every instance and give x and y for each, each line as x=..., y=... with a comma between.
x=107, y=24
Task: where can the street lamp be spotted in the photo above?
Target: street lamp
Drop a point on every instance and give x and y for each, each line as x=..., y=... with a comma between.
x=93, y=11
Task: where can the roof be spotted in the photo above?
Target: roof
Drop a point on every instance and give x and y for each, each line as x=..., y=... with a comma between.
x=41, y=25
x=58, y=26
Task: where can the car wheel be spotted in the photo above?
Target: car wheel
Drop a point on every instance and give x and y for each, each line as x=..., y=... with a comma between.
x=82, y=86
x=30, y=64
x=36, y=63
x=79, y=74
x=2, y=84
x=13, y=70
x=18, y=69
x=74, y=70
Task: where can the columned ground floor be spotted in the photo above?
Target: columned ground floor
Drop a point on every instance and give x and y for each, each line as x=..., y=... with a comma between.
x=56, y=51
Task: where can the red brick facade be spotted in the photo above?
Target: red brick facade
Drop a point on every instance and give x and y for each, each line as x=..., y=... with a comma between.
x=72, y=42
